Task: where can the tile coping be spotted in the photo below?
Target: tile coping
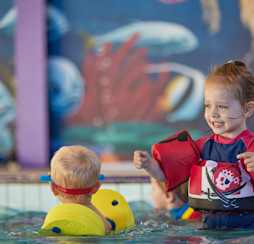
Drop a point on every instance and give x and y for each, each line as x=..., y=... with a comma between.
x=113, y=172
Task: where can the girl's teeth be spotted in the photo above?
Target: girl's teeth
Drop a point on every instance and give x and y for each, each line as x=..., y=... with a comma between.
x=217, y=123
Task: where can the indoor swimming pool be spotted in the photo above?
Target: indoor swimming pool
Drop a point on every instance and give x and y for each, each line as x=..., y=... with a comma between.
x=24, y=203
x=152, y=227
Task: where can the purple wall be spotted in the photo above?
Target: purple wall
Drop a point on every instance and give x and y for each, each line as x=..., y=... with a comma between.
x=32, y=134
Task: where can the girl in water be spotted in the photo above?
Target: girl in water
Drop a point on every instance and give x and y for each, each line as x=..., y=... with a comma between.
x=221, y=182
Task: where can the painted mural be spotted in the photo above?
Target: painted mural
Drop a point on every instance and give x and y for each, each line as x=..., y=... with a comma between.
x=125, y=74
x=7, y=84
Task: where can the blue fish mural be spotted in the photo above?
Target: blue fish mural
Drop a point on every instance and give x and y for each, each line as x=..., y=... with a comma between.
x=6, y=142
x=161, y=38
x=7, y=108
x=66, y=86
x=172, y=1
x=7, y=22
x=7, y=115
x=57, y=23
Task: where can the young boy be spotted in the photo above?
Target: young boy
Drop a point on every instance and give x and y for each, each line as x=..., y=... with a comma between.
x=172, y=200
x=74, y=177
x=176, y=201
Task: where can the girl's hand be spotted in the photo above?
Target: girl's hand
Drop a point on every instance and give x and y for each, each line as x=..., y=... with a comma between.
x=248, y=160
x=141, y=159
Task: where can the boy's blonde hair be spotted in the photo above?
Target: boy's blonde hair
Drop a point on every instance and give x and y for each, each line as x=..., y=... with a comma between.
x=75, y=167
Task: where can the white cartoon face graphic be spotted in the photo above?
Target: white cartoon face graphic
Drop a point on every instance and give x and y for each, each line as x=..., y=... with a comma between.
x=226, y=178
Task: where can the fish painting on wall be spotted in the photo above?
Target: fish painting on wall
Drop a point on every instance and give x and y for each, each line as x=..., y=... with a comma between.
x=7, y=83
x=140, y=72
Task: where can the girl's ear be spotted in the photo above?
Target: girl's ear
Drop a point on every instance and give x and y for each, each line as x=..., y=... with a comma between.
x=53, y=189
x=249, y=109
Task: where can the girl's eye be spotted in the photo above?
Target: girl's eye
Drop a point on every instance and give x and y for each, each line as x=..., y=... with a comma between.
x=222, y=107
x=208, y=106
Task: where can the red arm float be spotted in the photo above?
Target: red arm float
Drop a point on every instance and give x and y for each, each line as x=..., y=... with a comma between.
x=176, y=155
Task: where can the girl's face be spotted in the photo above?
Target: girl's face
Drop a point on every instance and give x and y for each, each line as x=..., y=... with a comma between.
x=223, y=112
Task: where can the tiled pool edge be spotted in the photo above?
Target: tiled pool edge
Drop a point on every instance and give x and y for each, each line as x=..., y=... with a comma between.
x=107, y=179
x=114, y=173
x=22, y=190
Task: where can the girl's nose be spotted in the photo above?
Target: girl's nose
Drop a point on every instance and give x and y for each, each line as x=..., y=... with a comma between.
x=215, y=113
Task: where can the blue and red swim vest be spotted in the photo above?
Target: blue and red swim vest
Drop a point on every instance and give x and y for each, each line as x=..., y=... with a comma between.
x=218, y=181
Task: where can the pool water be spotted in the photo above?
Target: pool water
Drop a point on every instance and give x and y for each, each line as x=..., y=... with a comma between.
x=152, y=227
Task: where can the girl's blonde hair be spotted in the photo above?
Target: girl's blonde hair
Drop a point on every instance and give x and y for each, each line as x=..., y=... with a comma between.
x=75, y=167
x=237, y=78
